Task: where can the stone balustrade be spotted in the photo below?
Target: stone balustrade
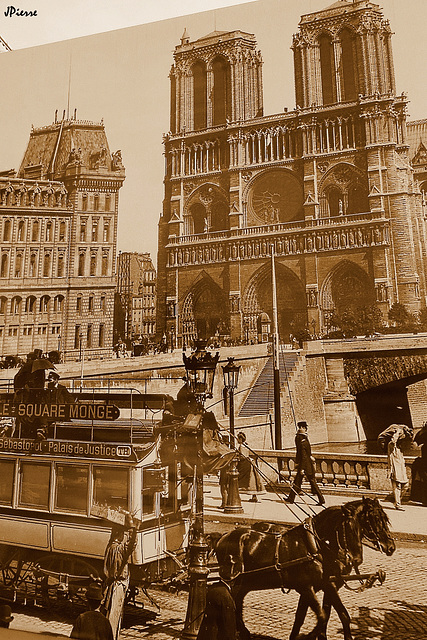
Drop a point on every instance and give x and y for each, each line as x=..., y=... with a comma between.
x=346, y=472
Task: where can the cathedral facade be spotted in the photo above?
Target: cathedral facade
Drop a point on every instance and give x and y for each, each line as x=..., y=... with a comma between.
x=327, y=188
x=58, y=231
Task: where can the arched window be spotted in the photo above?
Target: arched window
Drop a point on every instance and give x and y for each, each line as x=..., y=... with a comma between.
x=33, y=265
x=198, y=213
x=6, y=230
x=30, y=304
x=104, y=266
x=94, y=230
x=89, y=336
x=92, y=265
x=15, y=305
x=21, y=231
x=200, y=95
x=35, y=231
x=101, y=339
x=49, y=232
x=220, y=106
x=46, y=265
x=58, y=303
x=349, y=78
x=3, y=302
x=44, y=304
x=83, y=231
x=62, y=231
x=90, y=304
x=4, y=265
x=327, y=68
x=60, y=266
x=357, y=200
x=102, y=303
x=18, y=265
x=79, y=304
x=82, y=258
x=335, y=202
x=106, y=237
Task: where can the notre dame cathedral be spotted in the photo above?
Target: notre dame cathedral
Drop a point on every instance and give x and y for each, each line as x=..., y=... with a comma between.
x=328, y=187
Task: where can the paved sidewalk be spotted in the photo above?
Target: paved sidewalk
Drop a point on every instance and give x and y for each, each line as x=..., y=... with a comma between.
x=410, y=524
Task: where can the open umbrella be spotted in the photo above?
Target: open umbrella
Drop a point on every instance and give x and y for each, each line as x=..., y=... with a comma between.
x=41, y=363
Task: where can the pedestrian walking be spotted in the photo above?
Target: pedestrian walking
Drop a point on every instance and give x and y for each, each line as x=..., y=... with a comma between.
x=92, y=624
x=6, y=616
x=396, y=468
x=116, y=570
x=219, y=618
x=305, y=465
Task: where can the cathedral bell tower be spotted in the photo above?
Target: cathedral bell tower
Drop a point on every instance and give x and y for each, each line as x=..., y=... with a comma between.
x=214, y=80
x=342, y=52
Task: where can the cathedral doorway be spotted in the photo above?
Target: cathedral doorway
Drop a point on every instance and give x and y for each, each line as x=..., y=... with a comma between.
x=204, y=312
x=258, y=301
x=346, y=289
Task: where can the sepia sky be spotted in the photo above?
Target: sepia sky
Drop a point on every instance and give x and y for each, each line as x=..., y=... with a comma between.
x=121, y=75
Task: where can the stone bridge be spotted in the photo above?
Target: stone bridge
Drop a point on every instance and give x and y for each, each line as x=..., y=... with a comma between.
x=371, y=383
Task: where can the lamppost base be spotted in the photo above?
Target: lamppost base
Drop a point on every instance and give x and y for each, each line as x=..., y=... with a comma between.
x=198, y=573
x=233, y=503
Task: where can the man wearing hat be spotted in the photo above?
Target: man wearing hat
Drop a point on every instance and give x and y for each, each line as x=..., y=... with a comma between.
x=6, y=616
x=92, y=625
x=304, y=464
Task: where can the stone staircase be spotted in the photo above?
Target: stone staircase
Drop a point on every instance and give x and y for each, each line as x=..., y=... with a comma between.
x=260, y=399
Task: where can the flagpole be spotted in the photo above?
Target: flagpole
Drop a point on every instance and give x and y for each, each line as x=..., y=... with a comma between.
x=276, y=365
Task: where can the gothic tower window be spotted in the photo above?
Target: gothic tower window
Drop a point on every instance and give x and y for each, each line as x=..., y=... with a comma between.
x=220, y=104
x=348, y=65
x=199, y=95
x=327, y=66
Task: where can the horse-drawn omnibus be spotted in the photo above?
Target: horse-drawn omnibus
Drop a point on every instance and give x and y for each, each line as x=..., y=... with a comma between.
x=51, y=491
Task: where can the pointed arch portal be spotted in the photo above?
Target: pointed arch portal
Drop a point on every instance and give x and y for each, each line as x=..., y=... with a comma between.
x=291, y=301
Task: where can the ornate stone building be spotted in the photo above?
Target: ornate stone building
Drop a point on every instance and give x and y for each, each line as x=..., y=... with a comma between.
x=328, y=186
x=58, y=231
x=136, y=288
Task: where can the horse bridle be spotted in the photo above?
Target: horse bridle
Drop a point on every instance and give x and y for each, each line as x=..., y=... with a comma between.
x=371, y=535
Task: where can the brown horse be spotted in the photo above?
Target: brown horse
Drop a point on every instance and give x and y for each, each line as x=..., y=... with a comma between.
x=308, y=558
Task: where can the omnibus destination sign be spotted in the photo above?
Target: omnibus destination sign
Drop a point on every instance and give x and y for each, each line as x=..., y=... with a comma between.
x=54, y=411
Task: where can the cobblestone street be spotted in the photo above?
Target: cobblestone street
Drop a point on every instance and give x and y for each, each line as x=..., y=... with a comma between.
x=397, y=610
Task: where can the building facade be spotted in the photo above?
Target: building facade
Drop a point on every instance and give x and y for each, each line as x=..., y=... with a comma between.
x=136, y=286
x=58, y=231
x=327, y=188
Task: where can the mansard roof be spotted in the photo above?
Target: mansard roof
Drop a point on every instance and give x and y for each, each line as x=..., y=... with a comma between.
x=52, y=148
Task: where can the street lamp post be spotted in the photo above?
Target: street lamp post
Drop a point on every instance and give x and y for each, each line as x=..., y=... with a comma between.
x=231, y=378
x=200, y=368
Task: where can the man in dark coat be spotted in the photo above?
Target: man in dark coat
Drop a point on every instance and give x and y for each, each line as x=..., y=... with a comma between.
x=304, y=463
x=92, y=625
x=219, y=618
x=116, y=569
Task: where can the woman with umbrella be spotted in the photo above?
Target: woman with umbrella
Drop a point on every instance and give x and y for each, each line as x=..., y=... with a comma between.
x=394, y=436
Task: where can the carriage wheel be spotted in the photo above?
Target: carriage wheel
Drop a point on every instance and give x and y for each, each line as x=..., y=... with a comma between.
x=63, y=578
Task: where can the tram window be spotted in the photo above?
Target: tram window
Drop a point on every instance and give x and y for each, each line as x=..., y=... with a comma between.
x=147, y=502
x=34, y=487
x=110, y=486
x=7, y=469
x=71, y=487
